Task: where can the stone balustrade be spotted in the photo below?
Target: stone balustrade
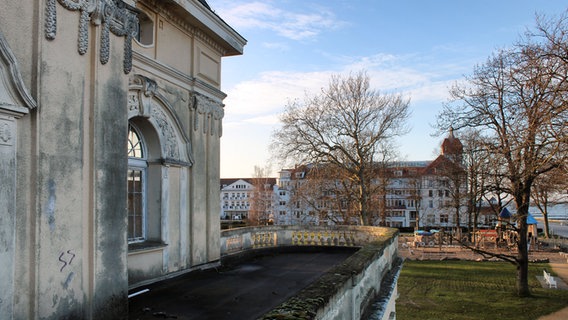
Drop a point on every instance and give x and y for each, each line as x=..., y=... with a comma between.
x=243, y=239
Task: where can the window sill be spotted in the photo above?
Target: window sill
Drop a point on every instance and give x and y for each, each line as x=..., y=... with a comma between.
x=145, y=246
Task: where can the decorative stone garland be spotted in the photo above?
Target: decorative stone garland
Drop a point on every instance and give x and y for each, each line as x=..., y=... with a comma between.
x=113, y=15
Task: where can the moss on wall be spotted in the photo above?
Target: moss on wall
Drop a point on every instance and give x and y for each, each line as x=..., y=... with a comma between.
x=306, y=303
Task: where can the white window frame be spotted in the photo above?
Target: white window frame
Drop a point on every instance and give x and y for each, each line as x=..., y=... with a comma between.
x=140, y=164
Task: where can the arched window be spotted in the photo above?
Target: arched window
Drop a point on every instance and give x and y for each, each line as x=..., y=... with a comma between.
x=137, y=176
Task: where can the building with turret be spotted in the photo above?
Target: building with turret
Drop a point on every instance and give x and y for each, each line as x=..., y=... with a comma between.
x=417, y=193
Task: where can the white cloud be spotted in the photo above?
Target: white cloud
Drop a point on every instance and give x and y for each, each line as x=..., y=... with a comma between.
x=376, y=61
x=431, y=92
x=271, y=120
x=253, y=106
x=271, y=91
x=295, y=25
x=262, y=99
x=412, y=75
x=276, y=45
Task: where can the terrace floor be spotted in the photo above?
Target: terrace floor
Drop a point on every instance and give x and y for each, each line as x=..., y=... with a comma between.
x=246, y=290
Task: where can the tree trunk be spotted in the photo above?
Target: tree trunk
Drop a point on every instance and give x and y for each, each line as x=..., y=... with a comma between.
x=546, y=226
x=523, y=267
x=417, y=225
x=363, y=200
x=522, y=201
x=383, y=208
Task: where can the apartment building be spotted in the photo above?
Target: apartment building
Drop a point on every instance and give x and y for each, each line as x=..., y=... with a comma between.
x=415, y=193
x=408, y=194
x=291, y=208
x=251, y=199
x=235, y=196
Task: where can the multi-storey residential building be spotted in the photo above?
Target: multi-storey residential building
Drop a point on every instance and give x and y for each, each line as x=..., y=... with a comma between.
x=235, y=196
x=416, y=193
x=253, y=199
x=404, y=194
x=291, y=209
x=444, y=187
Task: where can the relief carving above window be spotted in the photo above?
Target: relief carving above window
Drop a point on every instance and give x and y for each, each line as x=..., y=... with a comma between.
x=145, y=100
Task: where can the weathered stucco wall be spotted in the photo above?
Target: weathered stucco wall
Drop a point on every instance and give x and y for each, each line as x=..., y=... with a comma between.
x=72, y=153
x=64, y=113
x=15, y=104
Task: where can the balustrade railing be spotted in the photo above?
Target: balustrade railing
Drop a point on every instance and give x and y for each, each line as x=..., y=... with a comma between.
x=242, y=239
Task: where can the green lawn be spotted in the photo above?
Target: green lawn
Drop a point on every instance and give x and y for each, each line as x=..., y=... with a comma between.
x=471, y=290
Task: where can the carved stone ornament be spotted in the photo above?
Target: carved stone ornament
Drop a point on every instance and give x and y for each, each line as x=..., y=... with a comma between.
x=211, y=111
x=112, y=15
x=145, y=100
x=170, y=146
x=15, y=99
x=5, y=133
x=140, y=100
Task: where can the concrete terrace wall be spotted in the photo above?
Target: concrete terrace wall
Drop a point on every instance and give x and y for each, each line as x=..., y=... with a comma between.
x=345, y=291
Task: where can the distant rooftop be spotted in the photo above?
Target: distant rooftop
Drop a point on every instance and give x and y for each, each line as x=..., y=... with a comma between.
x=406, y=164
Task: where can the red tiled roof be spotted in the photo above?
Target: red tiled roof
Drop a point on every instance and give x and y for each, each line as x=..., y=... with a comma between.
x=440, y=165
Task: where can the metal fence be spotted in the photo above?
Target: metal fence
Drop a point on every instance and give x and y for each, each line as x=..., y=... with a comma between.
x=556, y=242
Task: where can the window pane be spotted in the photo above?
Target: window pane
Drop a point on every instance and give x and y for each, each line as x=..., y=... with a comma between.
x=135, y=149
x=135, y=205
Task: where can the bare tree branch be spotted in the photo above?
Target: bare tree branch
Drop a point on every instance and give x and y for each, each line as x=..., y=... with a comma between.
x=343, y=126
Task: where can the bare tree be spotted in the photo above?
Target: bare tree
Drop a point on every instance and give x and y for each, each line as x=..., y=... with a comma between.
x=262, y=198
x=517, y=99
x=547, y=190
x=415, y=189
x=323, y=194
x=452, y=176
x=380, y=182
x=475, y=162
x=343, y=127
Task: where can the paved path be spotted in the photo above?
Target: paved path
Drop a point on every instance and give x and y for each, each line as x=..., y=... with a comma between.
x=560, y=267
x=246, y=291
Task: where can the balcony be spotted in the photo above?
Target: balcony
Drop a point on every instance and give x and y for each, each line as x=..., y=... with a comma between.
x=359, y=266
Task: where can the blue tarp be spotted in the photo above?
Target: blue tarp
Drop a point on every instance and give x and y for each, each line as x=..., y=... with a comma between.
x=531, y=219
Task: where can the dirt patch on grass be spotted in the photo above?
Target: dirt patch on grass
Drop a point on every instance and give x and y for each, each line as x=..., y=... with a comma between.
x=455, y=252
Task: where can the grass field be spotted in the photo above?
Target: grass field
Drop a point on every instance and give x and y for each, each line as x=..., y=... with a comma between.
x=471, y=290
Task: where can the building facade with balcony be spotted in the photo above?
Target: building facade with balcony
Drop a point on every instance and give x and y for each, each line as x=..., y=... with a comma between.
x=251, y=199
x=235, y=198
x=110, y=123
x=416, y=193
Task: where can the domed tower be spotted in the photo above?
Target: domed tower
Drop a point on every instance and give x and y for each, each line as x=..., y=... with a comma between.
x=452, y=147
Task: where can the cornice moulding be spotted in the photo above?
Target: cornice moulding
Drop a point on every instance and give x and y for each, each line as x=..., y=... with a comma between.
x=196, y=13
x=173, y=75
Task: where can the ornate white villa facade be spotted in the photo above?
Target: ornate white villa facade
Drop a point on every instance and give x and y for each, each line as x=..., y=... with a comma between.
x=110, y=122
x=250, y=198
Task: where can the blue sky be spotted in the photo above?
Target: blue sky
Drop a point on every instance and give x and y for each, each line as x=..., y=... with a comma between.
x=415, y=47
